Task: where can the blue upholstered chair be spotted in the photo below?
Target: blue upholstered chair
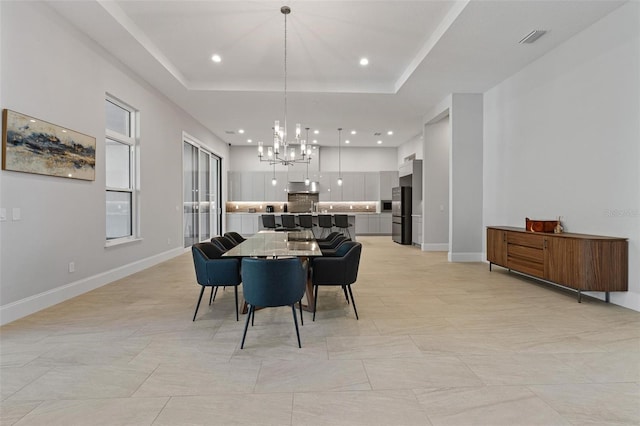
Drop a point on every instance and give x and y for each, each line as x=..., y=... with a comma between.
x=338, y=270
x=237, y=238
x=214, y=271
x=273, y=282
x=224, y=243
x=335, y=242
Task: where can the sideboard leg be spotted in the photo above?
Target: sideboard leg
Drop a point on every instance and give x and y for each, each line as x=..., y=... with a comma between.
x=579, y=296
x=606, y=297
x=489, y=266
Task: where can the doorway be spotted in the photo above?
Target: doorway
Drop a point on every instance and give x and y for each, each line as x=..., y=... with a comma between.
x=202, y=209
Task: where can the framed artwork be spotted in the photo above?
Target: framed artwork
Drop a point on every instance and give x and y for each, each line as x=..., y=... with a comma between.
x=31, y=145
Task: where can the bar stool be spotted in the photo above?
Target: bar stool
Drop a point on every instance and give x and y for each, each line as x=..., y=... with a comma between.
x=325, y=223
x=342, y=223
x=306, y=221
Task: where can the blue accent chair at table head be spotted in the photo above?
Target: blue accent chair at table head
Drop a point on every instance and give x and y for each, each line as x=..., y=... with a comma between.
x=341, y=269
x=273, y=282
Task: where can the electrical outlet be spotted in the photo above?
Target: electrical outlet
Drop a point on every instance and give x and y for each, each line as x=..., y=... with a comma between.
x=17, y=214
x=3, y=214
x=168, y=241
x=72, y=267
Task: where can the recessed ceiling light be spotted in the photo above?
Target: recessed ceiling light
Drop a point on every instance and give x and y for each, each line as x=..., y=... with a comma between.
x=249, y=140
x=347, y=141
x=216, y=58
x=364, y=62
x=379, y=142
x=390, y=132
x=241, y=131
x=315, y=132
x=315, y=141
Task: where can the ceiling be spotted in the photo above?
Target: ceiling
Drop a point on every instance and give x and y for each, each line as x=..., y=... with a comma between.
x=418, y=51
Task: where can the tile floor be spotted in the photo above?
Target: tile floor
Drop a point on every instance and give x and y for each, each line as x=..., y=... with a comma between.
x=437, y=343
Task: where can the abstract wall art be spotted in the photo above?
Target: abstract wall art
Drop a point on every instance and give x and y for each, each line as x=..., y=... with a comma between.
x=31, y=145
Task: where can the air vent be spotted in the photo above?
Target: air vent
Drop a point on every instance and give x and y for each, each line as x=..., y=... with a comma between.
x=230, y=132
x=532, y=36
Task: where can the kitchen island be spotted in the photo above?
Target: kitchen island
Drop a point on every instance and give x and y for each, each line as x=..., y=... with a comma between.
x=361, y=223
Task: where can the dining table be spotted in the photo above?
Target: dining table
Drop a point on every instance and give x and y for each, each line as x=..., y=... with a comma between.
x=276, y=244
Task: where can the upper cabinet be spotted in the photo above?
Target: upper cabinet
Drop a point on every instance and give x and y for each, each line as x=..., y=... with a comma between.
x=388, y=180
x=356, y=186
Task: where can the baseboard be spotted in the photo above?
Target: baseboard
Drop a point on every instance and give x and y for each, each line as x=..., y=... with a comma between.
x=435, y=247
x=465, y=257
x=29, y=305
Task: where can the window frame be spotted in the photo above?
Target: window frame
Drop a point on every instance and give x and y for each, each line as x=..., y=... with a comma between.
x=131, y=140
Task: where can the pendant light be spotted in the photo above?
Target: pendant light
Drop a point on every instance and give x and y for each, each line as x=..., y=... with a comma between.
x=306, y=179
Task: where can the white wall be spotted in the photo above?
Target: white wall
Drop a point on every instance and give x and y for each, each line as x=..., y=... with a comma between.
x=562, y=137
x=50, y=71
x=411, y=147
x=435, y=222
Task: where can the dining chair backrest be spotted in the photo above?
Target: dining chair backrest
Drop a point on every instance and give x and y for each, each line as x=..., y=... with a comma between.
x=269, y=221
x=224, y=242
x=236, y=237
x=341, y=269
x=273, y=282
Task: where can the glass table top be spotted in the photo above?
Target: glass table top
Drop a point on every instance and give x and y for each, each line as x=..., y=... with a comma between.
x=277, y=244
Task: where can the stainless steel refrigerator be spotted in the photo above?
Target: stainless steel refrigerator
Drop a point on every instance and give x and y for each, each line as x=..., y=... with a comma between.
x=401, y=214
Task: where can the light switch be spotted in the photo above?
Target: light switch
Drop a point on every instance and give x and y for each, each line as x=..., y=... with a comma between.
x=3, y=214
x=17, y=213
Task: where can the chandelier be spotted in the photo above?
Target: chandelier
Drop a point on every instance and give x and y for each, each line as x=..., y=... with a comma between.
x=283, y=150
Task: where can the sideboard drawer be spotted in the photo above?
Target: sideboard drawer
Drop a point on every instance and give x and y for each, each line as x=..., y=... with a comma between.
x=525, y=239
x=525, y=266
x=524, y=252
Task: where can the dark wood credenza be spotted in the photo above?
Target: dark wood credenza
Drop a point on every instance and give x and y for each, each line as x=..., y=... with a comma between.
x=580, y=262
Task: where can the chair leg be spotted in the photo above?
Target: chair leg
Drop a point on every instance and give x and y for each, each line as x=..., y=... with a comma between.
x=246, y=325
x=315, y=301
x=235, y=288
x=344, y=288
x=295, y=321
x=353, y=301
x=300, y=306
x=252, y=313
x=212, y=297
x=198, y=305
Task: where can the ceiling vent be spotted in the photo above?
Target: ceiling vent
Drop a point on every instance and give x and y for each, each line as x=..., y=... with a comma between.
x=532, y=36
x=230, y=132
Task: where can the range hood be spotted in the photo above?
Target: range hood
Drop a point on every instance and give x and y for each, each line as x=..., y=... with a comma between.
x=301, y=188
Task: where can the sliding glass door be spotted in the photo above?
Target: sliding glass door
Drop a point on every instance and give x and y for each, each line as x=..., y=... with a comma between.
x=201, y=194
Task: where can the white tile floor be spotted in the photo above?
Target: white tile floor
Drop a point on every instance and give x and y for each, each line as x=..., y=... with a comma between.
x=437, y=343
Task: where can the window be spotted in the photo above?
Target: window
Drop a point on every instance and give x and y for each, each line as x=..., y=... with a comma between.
x=120, y=166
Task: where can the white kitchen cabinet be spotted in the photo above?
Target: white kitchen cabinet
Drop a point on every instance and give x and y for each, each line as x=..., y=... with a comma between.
x=249, y=224
x=362, y=224
x=416, y=230
x=234, y=223
x=388, y=180
x=371, y=186
x=385, y=223
x=374, y=224
x=257, y=186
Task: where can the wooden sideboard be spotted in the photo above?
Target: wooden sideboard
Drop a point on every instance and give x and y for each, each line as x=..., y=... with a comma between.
x=578, y=261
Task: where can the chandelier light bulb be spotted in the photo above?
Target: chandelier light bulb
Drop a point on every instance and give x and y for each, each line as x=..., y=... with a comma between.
x=339, y=181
